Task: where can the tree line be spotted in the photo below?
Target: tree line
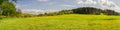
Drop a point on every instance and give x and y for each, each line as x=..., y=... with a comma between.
x=95, y=11
x=83, y=10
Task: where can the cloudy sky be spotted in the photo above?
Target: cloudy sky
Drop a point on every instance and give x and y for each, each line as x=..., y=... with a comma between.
x=67, y=4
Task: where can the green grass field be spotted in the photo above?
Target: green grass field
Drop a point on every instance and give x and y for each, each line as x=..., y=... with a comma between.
x=62, y=22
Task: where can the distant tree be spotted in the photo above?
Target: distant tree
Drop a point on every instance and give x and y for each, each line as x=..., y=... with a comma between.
x=40, y=15
x=83, y=10
x=8, y=9
x=87, y=10
x=110, y=12
x=67, y=11
x=19, y=13
x=28, y=15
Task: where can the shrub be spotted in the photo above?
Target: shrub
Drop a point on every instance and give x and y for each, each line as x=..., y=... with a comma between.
x=28, y=15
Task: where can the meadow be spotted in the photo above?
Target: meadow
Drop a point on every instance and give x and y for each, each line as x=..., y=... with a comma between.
x=62, y=22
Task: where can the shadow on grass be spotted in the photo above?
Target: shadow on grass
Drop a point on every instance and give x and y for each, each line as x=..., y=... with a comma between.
x=0, y=18
x=110, y=19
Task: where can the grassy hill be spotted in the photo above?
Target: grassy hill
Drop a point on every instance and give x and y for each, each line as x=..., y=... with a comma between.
x=62, y=22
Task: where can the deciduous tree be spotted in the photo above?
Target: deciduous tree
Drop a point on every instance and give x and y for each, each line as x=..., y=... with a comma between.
x=8, y=9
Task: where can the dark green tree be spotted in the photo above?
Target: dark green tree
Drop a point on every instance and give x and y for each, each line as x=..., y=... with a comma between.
x=110, y=12
x=4, y=4
x=8, y=9
x=87, y=10
x=66, y=11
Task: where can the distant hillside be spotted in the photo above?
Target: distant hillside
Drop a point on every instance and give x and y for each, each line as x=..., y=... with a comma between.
x=81, y=10
x=85, y=10
x=92, y=10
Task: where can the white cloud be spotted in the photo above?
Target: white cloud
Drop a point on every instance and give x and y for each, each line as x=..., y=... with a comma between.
x=43, y=0
x=104, y=3
x=66, y=5
x=17, y=6
x=86, y=2
x=109, y=5
x=38, y=11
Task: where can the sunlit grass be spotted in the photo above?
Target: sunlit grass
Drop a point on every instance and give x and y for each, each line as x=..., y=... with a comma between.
x=62, y=22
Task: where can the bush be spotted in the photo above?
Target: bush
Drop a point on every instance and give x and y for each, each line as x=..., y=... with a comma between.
x=28, y=15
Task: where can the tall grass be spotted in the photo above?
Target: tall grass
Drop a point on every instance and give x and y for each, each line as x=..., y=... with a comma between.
x=62, y=22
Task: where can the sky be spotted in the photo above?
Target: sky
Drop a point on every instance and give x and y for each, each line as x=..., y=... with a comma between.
x=67, y=4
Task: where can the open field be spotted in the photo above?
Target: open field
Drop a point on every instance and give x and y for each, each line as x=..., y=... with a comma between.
x=62, y=22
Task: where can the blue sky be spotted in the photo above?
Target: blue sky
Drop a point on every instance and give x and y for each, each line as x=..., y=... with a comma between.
x=66, y=4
